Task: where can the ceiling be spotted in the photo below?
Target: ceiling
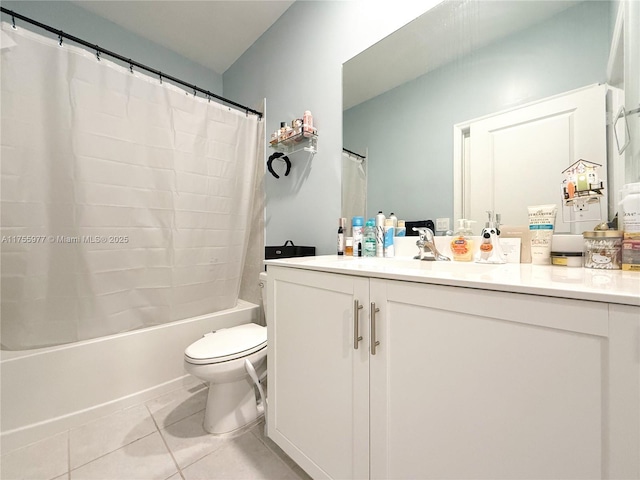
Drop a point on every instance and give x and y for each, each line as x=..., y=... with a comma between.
x=212, y=33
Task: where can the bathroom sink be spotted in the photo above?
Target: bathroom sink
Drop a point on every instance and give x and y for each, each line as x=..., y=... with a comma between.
x=400, y=264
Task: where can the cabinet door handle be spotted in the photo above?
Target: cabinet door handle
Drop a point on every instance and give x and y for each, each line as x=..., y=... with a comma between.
x=356, y=321
x=374, y=342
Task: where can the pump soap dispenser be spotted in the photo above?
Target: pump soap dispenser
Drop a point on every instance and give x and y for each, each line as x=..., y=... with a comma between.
x=462, y=244
x=490, y=249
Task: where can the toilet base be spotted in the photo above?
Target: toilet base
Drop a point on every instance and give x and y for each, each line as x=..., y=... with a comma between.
x=230, y=406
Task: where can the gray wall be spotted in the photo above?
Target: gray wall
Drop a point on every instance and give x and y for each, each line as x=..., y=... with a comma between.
x=297, y=65
x=408, y=130
x=83, y=24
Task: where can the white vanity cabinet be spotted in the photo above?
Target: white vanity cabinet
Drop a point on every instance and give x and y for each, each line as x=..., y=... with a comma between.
x=464, y=383
x=318, y=391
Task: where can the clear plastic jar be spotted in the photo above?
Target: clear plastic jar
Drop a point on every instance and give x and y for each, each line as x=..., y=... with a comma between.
x=630, y=210
x=603, y=249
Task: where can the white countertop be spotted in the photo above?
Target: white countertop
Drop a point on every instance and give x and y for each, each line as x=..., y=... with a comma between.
x=611, y=286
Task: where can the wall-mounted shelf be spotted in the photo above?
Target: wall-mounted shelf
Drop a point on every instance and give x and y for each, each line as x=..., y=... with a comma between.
x=296, y=143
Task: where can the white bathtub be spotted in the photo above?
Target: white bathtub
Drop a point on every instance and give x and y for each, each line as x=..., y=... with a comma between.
x=49, y=390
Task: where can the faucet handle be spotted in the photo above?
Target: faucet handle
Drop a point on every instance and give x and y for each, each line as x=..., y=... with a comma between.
x=425, y=233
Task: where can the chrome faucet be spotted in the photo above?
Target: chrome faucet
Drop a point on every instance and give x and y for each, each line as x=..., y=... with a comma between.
x=427, y=246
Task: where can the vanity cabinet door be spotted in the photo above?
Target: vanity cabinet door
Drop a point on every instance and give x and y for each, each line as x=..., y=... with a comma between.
x=477, y=384
x=624, y=392
x=318, y=382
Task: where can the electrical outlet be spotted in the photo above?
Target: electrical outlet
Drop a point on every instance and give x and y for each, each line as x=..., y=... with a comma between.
x=442, y=224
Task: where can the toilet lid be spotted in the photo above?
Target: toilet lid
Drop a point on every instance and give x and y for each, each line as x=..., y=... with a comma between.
x=227, y=344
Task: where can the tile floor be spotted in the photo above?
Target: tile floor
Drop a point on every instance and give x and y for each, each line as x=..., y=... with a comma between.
x=161, y=439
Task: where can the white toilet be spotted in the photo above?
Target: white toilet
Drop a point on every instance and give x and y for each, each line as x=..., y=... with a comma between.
x=218, y=358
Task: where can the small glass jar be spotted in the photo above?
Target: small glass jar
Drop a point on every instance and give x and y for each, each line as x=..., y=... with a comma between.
x=348, y=247
x=603, y=249
x=567, y=259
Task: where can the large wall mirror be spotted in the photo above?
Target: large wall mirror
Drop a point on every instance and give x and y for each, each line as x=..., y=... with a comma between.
x=409, y=101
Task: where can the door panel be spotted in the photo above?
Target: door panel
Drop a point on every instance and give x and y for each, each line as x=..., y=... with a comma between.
x=318, y=383
x=517, y=157
x=462, y=395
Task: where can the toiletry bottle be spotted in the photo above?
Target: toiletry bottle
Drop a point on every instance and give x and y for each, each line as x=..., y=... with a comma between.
x=468, y=231
x=341, y=224
x=380, y=218
x=307, y=122
x=297, y=126
x=401, y=231
x=394, y=219
x=357, y=224
x=370, y=238
x=288, y=131
x=389, y=231
x=630, y=203
x=460, y=248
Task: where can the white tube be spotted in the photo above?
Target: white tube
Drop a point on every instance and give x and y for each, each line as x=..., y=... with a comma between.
x=541, y=222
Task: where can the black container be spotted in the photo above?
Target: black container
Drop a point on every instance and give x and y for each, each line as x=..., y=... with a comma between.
x=420, y=223
x=288, y=250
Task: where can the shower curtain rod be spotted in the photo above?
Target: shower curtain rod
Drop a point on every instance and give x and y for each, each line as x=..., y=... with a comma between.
x=354, y=153
x=99, y=50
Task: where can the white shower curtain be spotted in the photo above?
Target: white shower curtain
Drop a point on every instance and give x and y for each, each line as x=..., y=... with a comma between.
x=125, y=202
x=354, y=186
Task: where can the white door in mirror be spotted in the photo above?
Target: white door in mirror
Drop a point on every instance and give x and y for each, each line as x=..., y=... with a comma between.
x=517, y=157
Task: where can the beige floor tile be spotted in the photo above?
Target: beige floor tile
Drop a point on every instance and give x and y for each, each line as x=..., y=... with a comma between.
x=178, y=404
x=44, y=460
x=188, y=441
x=108, y=434
x=258, y=431
x=175, y=476
x=242, y=458
x=144, y=459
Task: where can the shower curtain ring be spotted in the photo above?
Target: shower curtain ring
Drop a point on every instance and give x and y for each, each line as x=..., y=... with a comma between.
x=13, y=22
x=60, y=39
x=194, y=91
x=160, y=79
x=130, y=66
x=97, y=53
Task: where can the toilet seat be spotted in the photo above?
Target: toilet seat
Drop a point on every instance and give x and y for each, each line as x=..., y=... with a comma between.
x=227, y=344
